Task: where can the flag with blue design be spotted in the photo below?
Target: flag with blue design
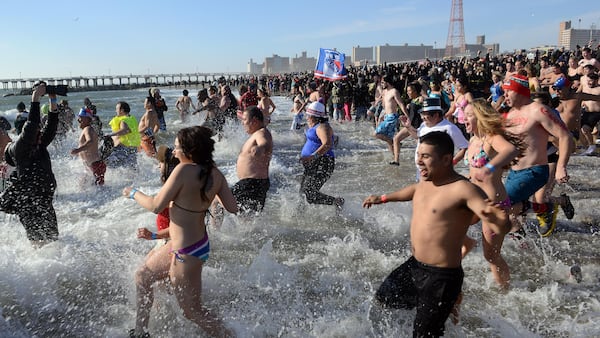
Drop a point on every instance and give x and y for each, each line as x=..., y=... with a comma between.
x=330, y=65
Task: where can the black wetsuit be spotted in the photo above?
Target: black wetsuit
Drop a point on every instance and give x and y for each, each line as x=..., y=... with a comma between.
x=31, y=186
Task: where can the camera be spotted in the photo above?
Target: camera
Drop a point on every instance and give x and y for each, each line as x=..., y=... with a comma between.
x=57, y=90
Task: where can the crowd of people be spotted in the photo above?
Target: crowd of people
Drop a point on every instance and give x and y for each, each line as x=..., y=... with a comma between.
x=516, y=115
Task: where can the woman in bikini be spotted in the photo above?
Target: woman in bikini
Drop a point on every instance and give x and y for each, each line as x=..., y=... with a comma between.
x=462, y=97
x=490, y=150
x=188, y=192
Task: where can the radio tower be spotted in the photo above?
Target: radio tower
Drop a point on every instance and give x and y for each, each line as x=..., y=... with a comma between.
x=456, y=30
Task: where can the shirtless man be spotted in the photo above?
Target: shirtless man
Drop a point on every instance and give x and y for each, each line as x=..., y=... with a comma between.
x=183, y=105
x=376, y=90
x=570, y=108
x=253, y=163
x=88, y=147
x=583, y=80
x=148, y=127
x=388, y=119
x=298, y=108
x=534, y=122
x=545, y=71
x=431, y=280
x=587, y=60
x=551, y=78
x=591, y=113
x=412, y=90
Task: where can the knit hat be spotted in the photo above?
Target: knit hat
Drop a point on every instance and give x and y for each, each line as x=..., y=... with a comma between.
x=316, y=109
x=517, y=83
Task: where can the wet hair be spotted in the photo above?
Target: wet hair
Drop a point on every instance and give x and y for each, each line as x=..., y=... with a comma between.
x=255, y=113
x=124, y=106
x=21, y=106
x=213, y=89
x=243, y=89
x=463, y=82
x=544, y=97
x=203, y=94
x=441, y=141
x=593, y=76
x=264, y=91
x=169, y=162
x=185, y=92
x=389, y=79
x=197, y=143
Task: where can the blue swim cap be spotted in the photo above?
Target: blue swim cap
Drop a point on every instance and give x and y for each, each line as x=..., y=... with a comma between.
x=561, y=83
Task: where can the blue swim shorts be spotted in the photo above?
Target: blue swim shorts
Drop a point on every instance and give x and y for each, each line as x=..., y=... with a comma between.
x=522, y=184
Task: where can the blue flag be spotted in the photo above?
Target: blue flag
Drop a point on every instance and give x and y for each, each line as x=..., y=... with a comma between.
x=330, y=65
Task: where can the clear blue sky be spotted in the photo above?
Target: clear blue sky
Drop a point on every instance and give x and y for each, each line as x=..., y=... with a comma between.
x=79, y=37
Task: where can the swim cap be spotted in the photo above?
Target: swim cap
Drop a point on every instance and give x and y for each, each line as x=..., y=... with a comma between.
x=561, y=83
x=85, y=112
x=517, y=83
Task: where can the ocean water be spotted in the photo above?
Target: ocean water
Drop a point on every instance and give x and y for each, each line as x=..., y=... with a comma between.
x=296, y=270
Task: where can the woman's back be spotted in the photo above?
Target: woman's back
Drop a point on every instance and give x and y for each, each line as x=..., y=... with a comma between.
x=188, y=208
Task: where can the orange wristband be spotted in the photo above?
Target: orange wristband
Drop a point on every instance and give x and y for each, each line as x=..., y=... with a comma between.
x=383, y=199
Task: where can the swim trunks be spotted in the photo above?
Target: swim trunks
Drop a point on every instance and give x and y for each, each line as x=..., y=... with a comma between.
x=251, y=193
x=148, y=143
x=98, y=169
x=387, y=127
x=522, y=184
x=432, y=290
x=590, y=119
x=199, y=250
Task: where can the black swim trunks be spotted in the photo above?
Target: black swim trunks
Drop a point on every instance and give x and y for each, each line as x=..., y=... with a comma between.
x=590, y=119
x=432, y=290
x=251, y=193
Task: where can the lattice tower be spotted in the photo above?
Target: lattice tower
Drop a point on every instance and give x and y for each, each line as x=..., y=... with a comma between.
x=456, y=30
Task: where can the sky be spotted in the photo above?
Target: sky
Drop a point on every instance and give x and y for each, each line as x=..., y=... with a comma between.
x=61, y=38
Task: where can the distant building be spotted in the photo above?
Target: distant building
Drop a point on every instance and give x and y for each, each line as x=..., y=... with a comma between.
x=254, y=68
x=362, y=55
x=406, y=53
x=570, y=38
x=276, y=64
x=302, y=63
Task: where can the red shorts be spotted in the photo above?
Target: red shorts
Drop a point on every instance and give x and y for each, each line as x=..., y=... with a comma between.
x=98, y=169
x=148, y=145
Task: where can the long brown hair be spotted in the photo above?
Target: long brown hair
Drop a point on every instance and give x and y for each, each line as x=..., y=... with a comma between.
x=197, y=143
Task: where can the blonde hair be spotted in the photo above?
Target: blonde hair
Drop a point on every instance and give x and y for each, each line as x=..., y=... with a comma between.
x=491, y=122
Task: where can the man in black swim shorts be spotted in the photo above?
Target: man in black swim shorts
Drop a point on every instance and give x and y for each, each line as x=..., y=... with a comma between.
x=253, y=162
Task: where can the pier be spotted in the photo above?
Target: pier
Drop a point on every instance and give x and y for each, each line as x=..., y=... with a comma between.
x=84, y=83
